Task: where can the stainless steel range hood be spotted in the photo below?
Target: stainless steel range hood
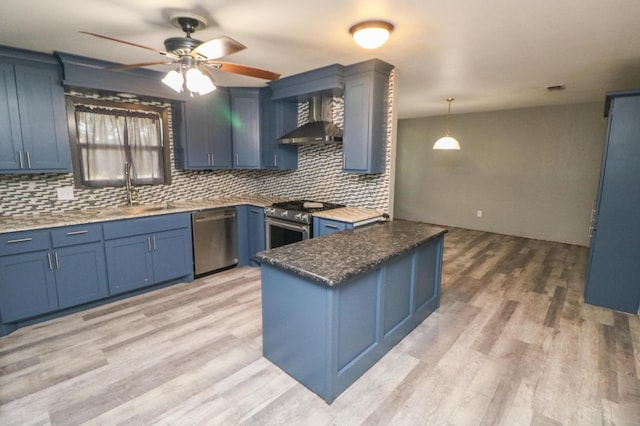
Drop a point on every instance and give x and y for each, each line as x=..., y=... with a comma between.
x=319, y=129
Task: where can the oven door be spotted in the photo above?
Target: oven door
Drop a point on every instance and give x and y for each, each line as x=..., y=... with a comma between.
x=282, y=232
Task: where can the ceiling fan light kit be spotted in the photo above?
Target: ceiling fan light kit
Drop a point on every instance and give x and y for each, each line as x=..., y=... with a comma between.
x=195, y=58
x=371, y=34
x=447, y=142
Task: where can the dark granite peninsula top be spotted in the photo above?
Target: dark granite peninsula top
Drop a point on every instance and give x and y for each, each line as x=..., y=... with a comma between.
x=332, y=259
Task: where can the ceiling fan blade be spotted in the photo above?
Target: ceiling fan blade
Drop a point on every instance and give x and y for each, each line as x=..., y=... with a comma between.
x=130, y=44
x=244, y=70
x=217, y=48
x=140, y=65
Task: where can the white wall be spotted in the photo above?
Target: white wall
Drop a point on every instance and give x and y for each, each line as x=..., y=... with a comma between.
x=533, y=172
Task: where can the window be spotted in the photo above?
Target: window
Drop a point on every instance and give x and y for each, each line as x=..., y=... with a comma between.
x=106, y=135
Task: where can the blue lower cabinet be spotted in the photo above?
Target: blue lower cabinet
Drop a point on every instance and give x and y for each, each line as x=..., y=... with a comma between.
x=27, y=285
x=172, y=255
x=323, y=226
x=251, y=234
x=150, y=258
x=129, y=263
x=81, y=274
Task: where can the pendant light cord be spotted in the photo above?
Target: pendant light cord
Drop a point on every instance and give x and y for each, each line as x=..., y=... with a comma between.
x=448, y=113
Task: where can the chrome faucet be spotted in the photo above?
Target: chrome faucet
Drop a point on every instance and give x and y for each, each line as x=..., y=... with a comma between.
x=132, y=193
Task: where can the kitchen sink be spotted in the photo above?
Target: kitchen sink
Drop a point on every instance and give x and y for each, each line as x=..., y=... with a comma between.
x=129, y=210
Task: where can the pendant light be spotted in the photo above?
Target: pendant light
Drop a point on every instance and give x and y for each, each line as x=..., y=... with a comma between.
x=447, y=142
x=371, y=34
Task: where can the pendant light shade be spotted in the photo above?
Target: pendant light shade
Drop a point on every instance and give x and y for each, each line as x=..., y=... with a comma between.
x=195, y=80
x=371, y=34
x=447, y=142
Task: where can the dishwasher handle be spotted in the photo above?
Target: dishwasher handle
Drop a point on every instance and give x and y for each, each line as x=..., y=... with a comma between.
x=206, y=217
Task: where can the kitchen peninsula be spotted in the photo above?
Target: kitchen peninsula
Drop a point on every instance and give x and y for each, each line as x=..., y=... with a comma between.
x=333, y=306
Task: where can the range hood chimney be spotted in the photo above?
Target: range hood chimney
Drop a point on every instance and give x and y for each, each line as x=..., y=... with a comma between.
x=319, y=129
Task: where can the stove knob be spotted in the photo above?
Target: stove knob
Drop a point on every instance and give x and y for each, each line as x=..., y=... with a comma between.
x=305, y=216
x=285, y=213
x=298, y=216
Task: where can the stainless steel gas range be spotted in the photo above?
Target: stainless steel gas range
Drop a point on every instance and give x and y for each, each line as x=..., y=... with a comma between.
x=292, y=221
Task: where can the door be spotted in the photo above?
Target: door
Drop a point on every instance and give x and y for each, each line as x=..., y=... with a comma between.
x=81, y=274
x=256, y=231
x=10, y=136
x=245, y=128
x=27, y=285
x=356, y=142
x=171, y=255
x=129, y=263
x=612, y=276
x=43, y=119
x=198, y=136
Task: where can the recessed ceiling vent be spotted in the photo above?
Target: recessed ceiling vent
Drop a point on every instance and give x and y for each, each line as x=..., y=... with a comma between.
x=556, y=87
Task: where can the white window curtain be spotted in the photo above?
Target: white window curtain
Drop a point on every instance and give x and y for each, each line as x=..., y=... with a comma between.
x=109, y=138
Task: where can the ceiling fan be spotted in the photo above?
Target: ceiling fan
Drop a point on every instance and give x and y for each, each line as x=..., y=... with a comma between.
x=196, y=59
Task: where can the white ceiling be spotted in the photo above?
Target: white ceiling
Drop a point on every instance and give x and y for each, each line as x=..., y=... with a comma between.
x=489, y=55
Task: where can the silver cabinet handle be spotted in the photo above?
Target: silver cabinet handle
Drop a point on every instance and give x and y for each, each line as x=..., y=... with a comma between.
x=28, y=160
x=77, y=232
x=154, y=243
x=57, y=260
x=255, y=211
x=149, y=243
x=275, y=160
x=21, y=160
x=20, y=240
x=330, y=226
x=49, y=259
x=237, y=159
x=213, y=159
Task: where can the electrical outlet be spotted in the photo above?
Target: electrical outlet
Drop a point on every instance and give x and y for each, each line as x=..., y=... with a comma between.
x=65, y=193
x=479, y=213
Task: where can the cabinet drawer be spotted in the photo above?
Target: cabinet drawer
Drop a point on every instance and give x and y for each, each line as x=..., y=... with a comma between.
x=70, y=235
x=24, y=242
x=145, y=225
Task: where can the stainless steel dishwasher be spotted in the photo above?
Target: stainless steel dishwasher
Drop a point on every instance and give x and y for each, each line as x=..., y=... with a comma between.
x=215, y=239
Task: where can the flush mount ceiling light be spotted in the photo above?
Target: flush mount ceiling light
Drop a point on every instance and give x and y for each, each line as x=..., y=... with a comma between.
x=371, y=34
x=447, y=142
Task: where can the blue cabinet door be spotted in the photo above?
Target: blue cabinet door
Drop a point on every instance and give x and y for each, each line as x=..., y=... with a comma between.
x=10, y=135
x=205, y=141
x=81, y=274
x=43, y=119
x=27, y=285
x=279, y=117
x=245, y=127
x=256, y=232
x=171, y=254
x=365, y=117
x=613, y=271
x=129, y=263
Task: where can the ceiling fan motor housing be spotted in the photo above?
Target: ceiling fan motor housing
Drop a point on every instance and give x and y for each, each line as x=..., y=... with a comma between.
x=181, y=45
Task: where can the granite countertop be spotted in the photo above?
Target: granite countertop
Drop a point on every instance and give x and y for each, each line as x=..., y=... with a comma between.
x=334, y=258
x=103, y=214
x=350, y=214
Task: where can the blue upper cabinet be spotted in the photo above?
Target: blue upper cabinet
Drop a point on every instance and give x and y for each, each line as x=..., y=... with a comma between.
x=246, y=126
x=203, y=132
x=365, y=116
x=33, y=122
x=279, y=118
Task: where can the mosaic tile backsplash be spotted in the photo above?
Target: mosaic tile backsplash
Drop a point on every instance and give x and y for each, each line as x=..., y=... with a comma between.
x=319, y=177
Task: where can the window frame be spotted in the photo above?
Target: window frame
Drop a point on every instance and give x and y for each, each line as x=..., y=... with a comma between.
x=163, y=112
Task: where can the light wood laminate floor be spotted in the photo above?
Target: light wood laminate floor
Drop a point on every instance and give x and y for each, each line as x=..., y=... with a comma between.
x=512, y=343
